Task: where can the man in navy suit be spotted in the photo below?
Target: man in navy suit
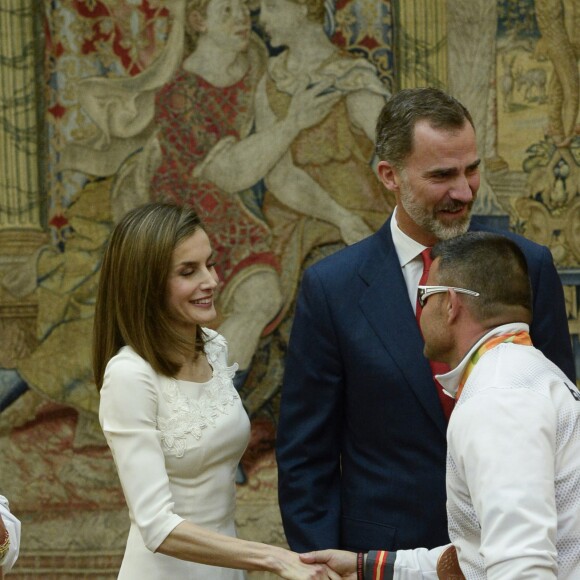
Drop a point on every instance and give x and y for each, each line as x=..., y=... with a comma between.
x=361, y=440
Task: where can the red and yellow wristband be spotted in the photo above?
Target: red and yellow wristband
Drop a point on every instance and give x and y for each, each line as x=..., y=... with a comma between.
x=379, y=565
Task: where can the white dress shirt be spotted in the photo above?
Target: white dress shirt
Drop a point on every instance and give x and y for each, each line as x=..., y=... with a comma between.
x=409, y=254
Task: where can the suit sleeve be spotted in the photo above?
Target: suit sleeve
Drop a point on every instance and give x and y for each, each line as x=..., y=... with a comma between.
x=549, y=329
x=309, y=431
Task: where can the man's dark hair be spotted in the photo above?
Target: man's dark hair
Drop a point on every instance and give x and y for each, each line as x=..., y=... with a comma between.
x=396, y=124
x=490, y=264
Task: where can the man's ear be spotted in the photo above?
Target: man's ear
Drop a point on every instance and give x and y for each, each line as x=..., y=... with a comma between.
x=389, y=175
x=454, y=306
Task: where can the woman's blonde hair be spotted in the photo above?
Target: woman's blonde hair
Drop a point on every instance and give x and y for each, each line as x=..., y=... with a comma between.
x=131, y=307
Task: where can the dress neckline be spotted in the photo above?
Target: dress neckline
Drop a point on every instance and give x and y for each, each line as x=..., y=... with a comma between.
x=198, y=383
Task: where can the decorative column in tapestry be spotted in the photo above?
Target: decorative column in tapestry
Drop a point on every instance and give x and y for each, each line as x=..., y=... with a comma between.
x=421, y=34
x=20, y=192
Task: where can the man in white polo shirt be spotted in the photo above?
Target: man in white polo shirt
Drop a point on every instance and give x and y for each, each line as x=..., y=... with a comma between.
x=513, y=462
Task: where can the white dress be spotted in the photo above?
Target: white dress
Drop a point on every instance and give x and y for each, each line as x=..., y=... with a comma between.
x=176, y=445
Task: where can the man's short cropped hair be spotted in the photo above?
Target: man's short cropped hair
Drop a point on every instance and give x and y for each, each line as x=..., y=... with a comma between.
x=397, y=120
x=490, y=264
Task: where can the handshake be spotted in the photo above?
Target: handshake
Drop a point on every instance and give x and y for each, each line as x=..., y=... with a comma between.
x=319, y=565
x=341, y=564
x=335, y=564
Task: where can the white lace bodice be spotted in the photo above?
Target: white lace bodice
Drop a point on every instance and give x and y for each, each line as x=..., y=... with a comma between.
x=191, y=414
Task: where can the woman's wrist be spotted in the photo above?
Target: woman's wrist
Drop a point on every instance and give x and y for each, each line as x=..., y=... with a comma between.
x=275, y=559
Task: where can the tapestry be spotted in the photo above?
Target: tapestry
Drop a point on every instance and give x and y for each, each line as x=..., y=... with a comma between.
x=108, y=104
x=139, y=106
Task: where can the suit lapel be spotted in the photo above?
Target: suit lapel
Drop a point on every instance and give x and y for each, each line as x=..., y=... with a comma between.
x=386, y=306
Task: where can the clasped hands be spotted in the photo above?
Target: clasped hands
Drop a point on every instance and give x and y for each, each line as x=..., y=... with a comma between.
x=340, y=564
x=322, y=565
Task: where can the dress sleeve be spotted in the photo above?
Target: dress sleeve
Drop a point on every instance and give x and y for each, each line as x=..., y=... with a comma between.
x=128, y=416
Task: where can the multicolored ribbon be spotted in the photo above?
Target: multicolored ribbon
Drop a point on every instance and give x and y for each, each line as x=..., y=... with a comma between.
x=521, y=337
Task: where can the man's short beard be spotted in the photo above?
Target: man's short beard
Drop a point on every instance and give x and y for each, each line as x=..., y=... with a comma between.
x=427, y=221
x=446, y=232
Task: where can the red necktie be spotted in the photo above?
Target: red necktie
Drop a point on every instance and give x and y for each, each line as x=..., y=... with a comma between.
x=437, y=368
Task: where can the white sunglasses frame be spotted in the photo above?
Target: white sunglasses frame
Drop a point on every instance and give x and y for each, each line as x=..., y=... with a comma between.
x=423, y=292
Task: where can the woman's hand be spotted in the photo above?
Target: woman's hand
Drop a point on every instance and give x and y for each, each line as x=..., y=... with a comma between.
x=290, y=566
x=341, y=562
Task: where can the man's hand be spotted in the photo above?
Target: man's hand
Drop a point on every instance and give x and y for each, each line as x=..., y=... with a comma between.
x=290, y=566
x=342, y=562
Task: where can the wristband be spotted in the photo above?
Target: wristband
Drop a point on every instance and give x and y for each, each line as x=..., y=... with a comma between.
x=360, y=559
x=380, y=565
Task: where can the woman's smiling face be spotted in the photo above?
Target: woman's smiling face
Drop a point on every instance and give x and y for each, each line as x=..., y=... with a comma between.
x=191, y=283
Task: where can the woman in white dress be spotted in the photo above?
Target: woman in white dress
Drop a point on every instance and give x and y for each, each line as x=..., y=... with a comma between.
x=170, y=413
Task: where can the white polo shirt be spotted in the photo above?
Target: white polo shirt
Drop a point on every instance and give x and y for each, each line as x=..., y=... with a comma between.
x=513, y=469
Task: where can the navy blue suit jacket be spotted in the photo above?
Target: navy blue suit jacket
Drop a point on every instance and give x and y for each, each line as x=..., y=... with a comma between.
x=361, y=444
